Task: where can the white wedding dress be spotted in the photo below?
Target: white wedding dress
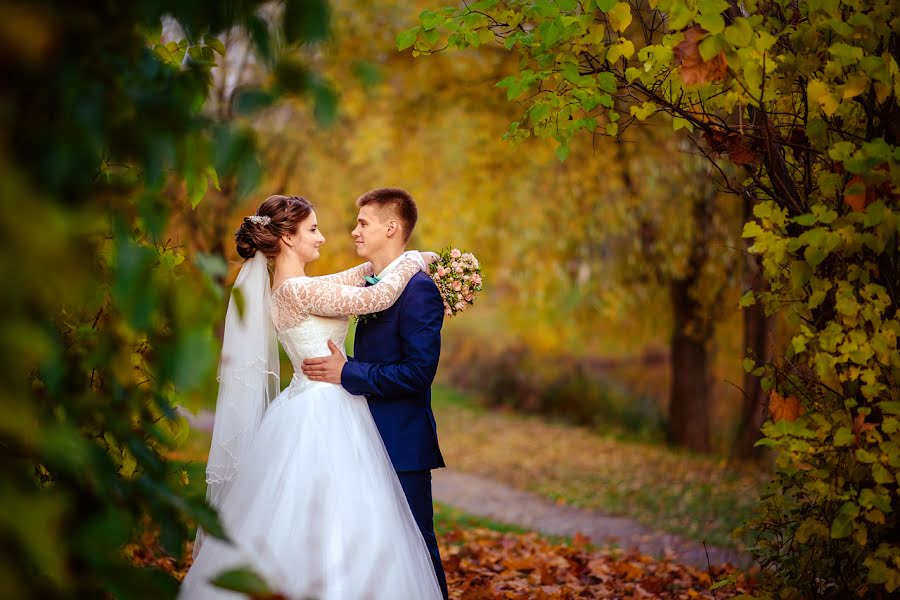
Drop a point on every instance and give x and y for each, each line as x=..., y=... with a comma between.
x=316, y=507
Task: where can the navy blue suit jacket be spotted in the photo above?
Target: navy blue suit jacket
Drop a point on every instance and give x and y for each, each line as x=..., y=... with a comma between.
x=395, y=358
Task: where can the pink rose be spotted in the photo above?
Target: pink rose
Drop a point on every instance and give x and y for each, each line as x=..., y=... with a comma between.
x=459, y=270
x=448, y=312
x=476, y=278
x=468, y=297
x=467, y=257
x=441, y=271
x=455, y=253
x=456, y=285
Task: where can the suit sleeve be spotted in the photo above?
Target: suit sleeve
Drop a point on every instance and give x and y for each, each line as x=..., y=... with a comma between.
x=420, y=333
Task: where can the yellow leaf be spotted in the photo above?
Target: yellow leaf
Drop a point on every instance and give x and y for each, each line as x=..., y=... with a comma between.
x=819, y=94
x=856, y=85
x=882, y=92
x=875, y=516
x=620, y=16
x=624, y=49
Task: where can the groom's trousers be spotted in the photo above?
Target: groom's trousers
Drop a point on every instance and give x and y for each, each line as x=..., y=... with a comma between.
x=417, y=487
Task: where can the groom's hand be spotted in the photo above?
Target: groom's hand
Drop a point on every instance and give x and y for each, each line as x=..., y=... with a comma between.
x=325, y=368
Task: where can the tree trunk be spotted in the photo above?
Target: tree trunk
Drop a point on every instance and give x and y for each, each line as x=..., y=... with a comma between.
x=757, y=328
x=689, y=398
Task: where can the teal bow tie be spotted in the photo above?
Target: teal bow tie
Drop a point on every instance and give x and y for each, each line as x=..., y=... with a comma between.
x=373, y=279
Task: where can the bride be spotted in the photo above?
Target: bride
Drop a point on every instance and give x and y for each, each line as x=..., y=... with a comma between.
x=301, y=479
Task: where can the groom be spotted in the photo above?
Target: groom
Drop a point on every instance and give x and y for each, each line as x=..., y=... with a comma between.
x=395, y=357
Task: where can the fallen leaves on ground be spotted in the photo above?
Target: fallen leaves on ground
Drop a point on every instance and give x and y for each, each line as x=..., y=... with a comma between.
x=481, y=564
x=700, y=497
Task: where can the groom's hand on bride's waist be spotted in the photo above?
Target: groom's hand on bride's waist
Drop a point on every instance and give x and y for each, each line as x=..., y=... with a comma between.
x=325, y=368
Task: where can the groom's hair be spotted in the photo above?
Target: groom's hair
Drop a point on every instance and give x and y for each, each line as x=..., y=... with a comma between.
x=395, y=202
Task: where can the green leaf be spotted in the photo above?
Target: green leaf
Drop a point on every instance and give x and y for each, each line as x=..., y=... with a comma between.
x=890, y=407
x=880, y=474
x=681, y=123
x=841, y=151
x=407, y=38
x=806, y=219
x=197, y=185
x=606, y=81
x=843, y=437
x=215, y=44
x=875, y=214
x=243, y=580
x=325, y=101
x=605, y=5
x=562, y=152
x=810, y=528
x=740, y=33
x=878, y=571
x=800, y=274
x=213, y=176
x=864, y=456
x=841, y=527
x=680, y=14
x=714, y=23
x=711, y=46
x=845, y=54
x=710, y=7
x=429, y=19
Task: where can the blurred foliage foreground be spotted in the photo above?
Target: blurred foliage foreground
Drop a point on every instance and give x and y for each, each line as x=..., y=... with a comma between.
x=103, y=324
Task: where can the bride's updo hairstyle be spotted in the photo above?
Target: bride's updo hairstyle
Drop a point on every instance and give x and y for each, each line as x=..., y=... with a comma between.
x=277, y=216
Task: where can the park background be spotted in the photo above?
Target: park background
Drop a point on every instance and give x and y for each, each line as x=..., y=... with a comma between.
x=606, y=365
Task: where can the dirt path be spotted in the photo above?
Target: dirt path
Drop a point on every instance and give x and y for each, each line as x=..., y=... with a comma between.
x=500, y=502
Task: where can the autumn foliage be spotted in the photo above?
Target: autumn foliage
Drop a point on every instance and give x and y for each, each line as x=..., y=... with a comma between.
x=482, y=564
x=802, y=98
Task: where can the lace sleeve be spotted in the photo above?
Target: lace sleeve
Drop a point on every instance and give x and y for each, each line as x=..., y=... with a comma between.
x=355, y=276
x=314, y=296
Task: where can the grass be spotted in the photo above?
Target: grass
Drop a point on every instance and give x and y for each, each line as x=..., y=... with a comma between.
x=699, y=497
x=448, y=518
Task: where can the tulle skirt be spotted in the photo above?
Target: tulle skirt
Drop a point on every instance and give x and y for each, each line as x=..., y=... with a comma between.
x=317, y=509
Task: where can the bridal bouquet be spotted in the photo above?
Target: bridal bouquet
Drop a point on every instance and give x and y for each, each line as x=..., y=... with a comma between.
x=458, y=277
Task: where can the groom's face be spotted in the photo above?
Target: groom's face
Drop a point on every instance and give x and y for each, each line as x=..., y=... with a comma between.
x=371, y=233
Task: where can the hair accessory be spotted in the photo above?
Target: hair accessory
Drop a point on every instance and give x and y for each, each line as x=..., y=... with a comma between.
x=259, y=220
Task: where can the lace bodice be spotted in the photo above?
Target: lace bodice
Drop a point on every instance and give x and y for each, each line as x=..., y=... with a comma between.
x=308, y=311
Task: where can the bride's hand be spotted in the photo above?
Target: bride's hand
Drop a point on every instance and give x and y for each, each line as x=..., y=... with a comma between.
x=430, y=257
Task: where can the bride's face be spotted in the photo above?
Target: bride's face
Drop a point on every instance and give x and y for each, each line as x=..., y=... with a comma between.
x=307, y=239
